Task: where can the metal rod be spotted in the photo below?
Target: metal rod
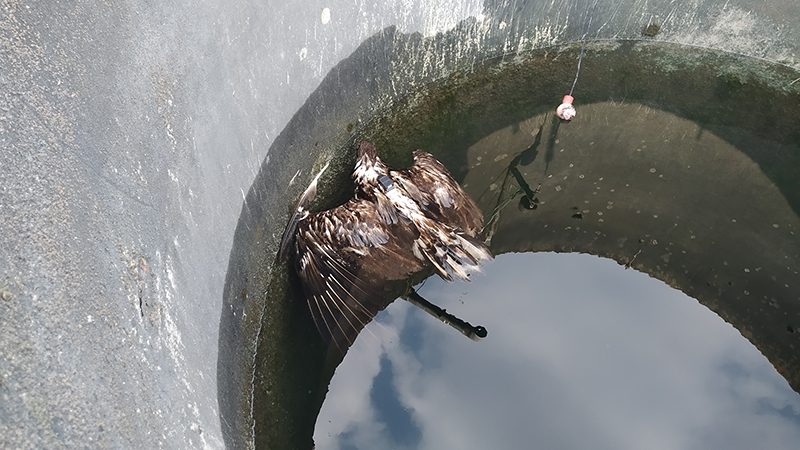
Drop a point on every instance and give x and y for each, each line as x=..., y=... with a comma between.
x=476, y=333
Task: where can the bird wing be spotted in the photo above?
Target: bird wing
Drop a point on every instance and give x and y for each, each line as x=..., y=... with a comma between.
x=300, y=213
x=446, y=218
x=345, y=257
x=443, y=198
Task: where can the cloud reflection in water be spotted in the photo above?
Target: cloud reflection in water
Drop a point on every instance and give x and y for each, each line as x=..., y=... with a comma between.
x=580, y=354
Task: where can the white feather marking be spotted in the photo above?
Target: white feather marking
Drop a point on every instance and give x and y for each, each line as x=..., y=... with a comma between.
x=443, y=197
x=417, y=253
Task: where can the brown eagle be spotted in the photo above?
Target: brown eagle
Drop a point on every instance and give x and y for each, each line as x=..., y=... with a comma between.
x=398, y=223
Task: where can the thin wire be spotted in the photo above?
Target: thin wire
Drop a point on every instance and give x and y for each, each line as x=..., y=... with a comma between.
x=583, y=47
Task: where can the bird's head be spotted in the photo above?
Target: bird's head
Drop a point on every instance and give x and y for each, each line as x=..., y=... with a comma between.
x=368, y=167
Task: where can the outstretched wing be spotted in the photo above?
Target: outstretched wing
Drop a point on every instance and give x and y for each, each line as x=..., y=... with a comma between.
x=443, y=198
x=345, y=257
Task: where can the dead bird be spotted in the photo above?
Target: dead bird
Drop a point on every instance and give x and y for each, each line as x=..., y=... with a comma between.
x=399, y=222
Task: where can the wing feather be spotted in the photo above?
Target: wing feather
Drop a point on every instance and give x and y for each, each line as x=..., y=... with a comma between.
x=444, y=199
x=345, y=258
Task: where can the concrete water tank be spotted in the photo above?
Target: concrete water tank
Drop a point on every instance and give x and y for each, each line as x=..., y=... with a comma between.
x=151, y=154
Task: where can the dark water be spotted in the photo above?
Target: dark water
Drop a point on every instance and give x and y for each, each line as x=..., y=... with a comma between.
x=580, y=354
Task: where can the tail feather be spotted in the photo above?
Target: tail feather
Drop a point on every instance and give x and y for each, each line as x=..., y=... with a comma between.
x=452, y=253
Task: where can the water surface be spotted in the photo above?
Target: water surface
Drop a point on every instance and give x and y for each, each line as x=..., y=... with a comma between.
x=581, y=353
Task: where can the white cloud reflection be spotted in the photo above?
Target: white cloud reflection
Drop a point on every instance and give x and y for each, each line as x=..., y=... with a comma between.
x=580, y=354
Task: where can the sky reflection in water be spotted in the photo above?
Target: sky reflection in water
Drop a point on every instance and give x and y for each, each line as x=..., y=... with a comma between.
x=580, y=354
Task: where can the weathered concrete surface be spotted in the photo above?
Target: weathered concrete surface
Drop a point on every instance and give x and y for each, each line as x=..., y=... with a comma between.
x=130, y=132
x=115, y=151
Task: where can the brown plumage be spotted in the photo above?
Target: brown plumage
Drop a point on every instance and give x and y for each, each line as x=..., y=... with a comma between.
x=398, y=223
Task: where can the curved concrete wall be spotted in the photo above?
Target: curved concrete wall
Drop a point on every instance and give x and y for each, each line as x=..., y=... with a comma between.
x=134, y=137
